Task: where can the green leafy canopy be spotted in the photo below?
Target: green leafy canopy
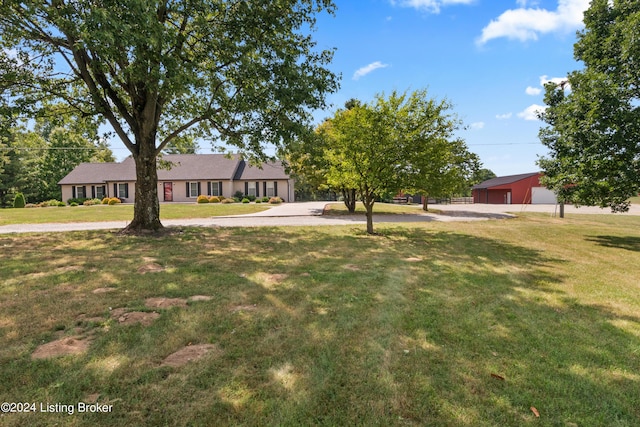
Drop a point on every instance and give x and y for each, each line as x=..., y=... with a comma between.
x=593, y=119
x=400, y=142
x=243, y=73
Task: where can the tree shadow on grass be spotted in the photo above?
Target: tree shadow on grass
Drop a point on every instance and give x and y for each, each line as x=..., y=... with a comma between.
x=323, y=327
x=622, y=242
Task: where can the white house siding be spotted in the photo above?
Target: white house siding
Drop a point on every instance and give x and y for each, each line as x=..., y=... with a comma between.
x=231, y=172
x=68, y=191
x=284, y=190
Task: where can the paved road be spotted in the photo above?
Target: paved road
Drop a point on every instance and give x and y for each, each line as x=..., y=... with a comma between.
x=310, y=214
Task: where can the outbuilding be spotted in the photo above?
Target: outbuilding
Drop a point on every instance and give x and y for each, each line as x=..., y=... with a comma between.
x=513, y=189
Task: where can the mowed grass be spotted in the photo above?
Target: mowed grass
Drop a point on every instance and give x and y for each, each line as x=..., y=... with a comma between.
x=122, y=212
x=446, y=324
x=338, y=208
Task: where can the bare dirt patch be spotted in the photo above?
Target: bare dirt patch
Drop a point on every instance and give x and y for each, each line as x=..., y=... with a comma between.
x=151, y=267
x=413, y=259
x=62, y=347
x=189, y=354
x=131, y=317
x=103, y=290
x=276, y=277
x=351, y=267
x=165, y=302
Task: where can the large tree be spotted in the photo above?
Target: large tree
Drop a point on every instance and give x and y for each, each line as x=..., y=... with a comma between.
x=394, y=143
x=245, y=73
x=593, y=119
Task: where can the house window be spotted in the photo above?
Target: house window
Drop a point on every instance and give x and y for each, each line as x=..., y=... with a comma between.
x=123, y=190
x=251, y=191
x=193, y=189
x=216, y=189
x=100, y=192
x=80, y=192
x=271, y=192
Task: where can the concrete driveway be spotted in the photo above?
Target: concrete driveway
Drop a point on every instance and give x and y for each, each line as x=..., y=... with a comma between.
x=310, y=214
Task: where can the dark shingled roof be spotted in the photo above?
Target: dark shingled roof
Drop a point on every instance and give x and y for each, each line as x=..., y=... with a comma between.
x=91, y=173
x=201, y=167
x=503, y=180
x=269, y=171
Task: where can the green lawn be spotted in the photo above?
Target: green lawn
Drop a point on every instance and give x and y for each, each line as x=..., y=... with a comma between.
x=444, y=324
x=121, y=212
x=338, y=208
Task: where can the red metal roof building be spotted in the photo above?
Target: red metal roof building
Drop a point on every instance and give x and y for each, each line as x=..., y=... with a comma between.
x=513, y=189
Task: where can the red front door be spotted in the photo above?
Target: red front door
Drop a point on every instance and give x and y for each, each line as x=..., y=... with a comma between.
x=168, y=192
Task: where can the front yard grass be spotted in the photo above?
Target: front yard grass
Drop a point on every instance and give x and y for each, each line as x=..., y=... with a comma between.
x=447, y=324
x=338, y=208
x=121, y=212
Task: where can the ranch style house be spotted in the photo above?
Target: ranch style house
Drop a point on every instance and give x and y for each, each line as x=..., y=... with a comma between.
x=189, y=176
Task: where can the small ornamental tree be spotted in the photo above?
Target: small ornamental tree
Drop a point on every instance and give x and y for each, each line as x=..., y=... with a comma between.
x=18, y=201
x=395, y=143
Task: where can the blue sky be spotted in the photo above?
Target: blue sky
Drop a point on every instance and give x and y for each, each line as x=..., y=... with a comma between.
x=488, y=57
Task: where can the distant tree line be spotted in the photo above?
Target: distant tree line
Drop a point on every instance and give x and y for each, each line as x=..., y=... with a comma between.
x=35, y=156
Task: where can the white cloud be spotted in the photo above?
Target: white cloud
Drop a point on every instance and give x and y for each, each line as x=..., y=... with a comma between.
x=361, y=72
x=533, y=91
x=477, y=125
x=432, y=6
x=527, y=23
x=557, y=80
x=531, y=112
x=505, y=116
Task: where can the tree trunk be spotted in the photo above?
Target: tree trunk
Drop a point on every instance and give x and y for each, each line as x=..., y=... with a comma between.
x=146, y=209
x=368, y=202
x=349, y=197
x=425, y=203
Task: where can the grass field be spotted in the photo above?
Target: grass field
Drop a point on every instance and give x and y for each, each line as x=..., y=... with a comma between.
x=122, y=212
x=465, y=324
x=378, y=209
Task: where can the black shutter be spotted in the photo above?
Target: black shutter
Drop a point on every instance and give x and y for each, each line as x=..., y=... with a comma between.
x=209, y=188
x=199, y=192
x=115, y=190
x=73, y=191
x=84, y=191
x=264, y=187
x=93, y=191
x=126, y=190
x=246, y=188
x=257, y=189
x=187, y=193
x=104, y=191
x=219, y=188
x=275, y=188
